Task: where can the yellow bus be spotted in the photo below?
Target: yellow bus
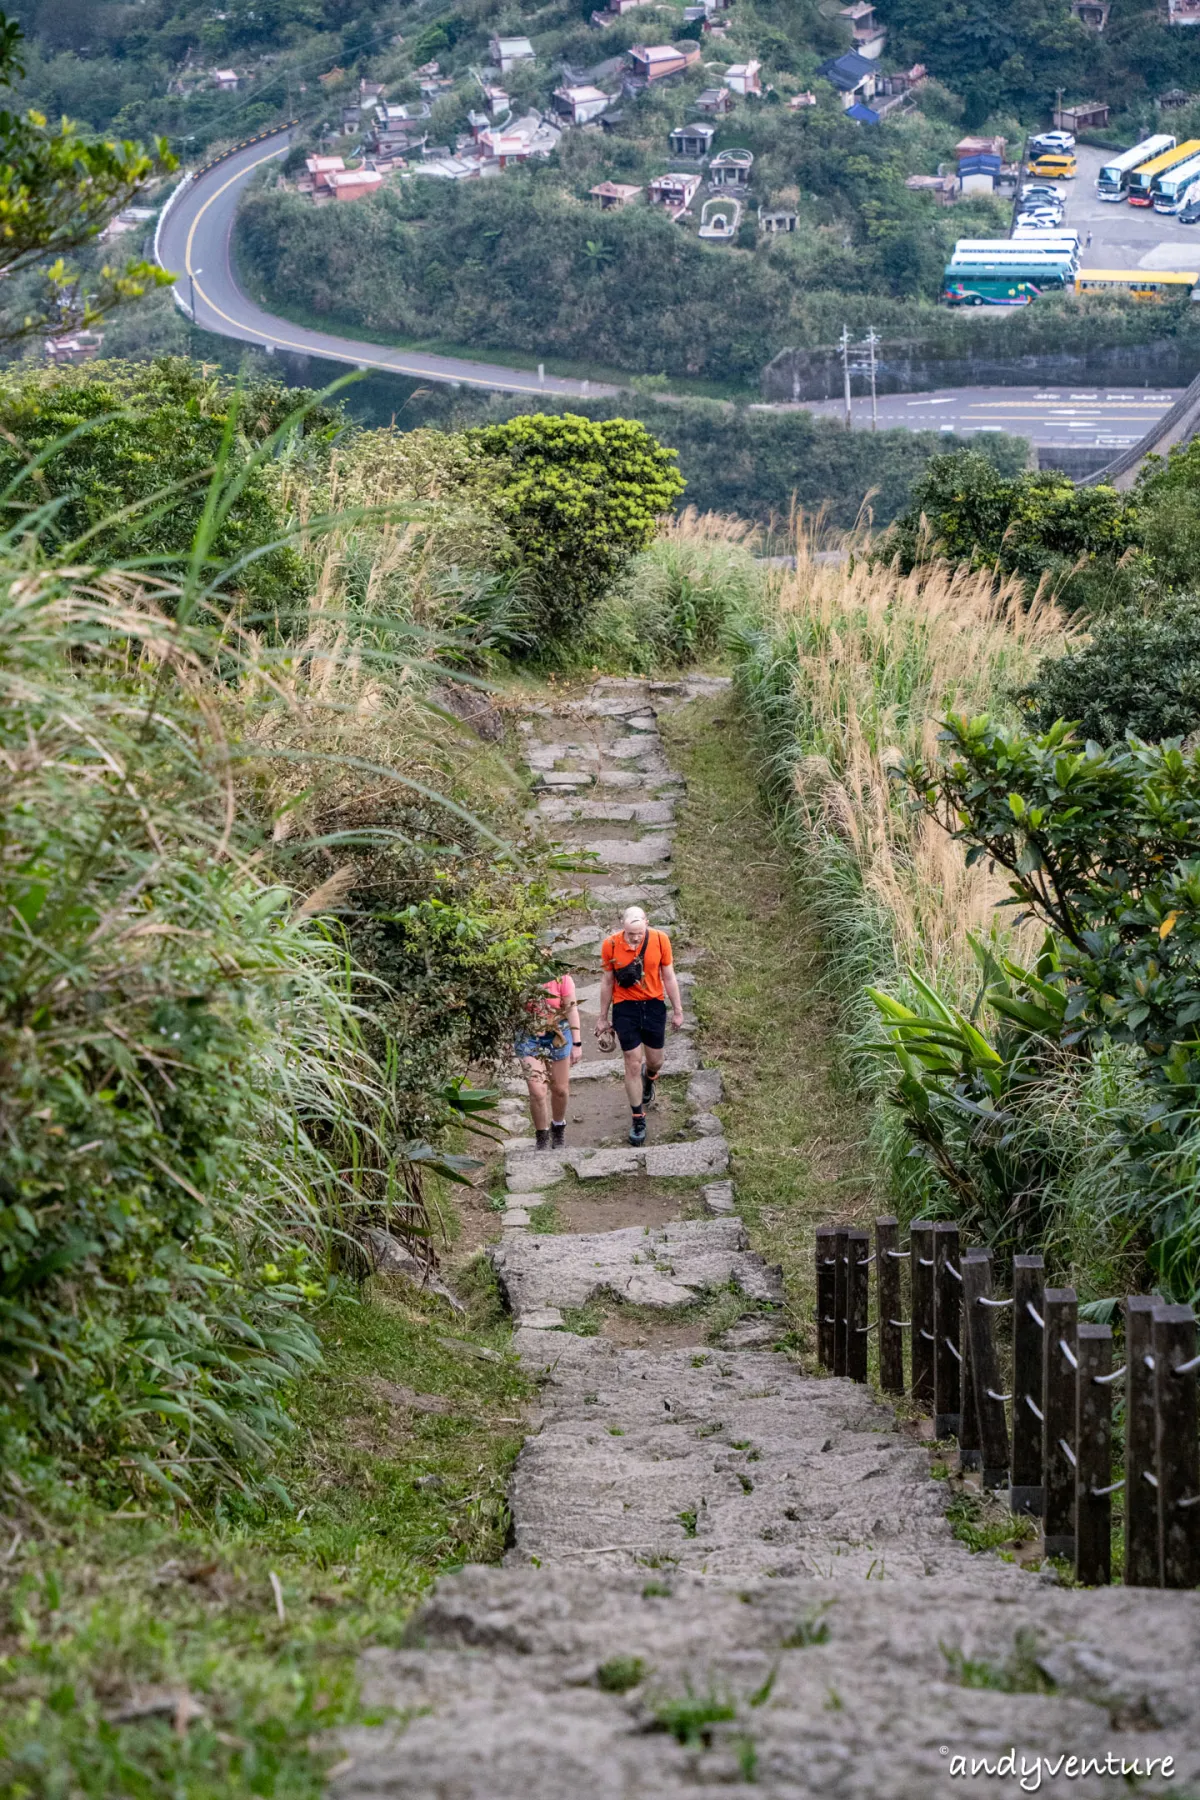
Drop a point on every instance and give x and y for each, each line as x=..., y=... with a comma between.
x=1055, y=165
x=1141, y=180
x=1153, y=285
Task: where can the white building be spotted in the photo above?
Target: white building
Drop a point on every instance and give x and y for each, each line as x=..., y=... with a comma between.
x=508, y=52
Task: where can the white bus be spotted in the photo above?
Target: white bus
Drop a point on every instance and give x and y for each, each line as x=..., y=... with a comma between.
x=1112, y=183
x=1026, y=240
x=1018, y=255
x=1171, y=190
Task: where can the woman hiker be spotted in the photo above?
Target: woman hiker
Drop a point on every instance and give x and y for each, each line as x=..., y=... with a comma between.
x=548, y=1052
x=639, y=976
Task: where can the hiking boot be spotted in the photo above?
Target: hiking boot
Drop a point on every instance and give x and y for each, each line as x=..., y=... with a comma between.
x=558, y=1134
x=543, y=1140
x=649, y=1088
x=637, y=1130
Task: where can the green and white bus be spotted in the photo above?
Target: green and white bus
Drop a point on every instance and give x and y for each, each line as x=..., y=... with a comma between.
x=962, y=289
x=1007, y=282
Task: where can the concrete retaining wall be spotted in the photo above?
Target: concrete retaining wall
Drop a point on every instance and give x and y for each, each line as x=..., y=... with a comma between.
x=908, y=368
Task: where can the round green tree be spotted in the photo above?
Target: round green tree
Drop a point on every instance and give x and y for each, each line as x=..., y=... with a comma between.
x=578, y=498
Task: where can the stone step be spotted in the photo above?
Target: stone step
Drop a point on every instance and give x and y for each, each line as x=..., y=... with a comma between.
x=664, y=1266
x=848, y=1691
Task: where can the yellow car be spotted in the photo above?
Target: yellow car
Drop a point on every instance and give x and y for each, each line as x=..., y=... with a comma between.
x=1058, y=167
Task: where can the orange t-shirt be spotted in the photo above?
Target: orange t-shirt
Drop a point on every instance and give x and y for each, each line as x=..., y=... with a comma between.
x=615, y=954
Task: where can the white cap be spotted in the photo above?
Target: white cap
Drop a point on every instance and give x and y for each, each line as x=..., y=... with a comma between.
x=633, y=915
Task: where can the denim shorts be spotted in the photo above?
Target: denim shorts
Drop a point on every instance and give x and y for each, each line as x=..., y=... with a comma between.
x=546, y=1045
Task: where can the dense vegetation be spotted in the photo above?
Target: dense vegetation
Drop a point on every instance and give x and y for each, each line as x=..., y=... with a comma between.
x=1088, y=546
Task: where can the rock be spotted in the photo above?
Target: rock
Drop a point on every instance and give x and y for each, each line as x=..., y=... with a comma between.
x=654, y=848
x=564, y=778
x=472, y=706
x=654, y=812
x=480, y=1352
x=596, y=1165
x=429, y=1483
x=681, y=1056
x=516, y=1218
x=700, y=1156
x=751, y=1333
x=718, y=1197
x=705, y=1088
x=707, y=1124
x=669, y=1265
x=545, y=1318
x=529, y=1174
x=391, y=1258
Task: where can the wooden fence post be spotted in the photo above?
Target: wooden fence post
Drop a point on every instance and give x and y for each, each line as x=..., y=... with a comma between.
x=1025, y=1495
x=887, y=1301
x=1093, y=1456
x=947, y=1316
x=825, y=1238
x=858, y=1273
x=1060, y=1313
x=1178, y=1453
x=920, y=1276
x=1141, y=1453
x=839, y=1300
x=985, y=1366
x=968, y=1431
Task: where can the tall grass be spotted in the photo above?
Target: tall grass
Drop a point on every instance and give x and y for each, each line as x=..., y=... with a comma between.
x=199, y=1081
x=845, y=673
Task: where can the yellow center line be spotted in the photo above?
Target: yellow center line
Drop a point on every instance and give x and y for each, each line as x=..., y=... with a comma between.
x=392, y=367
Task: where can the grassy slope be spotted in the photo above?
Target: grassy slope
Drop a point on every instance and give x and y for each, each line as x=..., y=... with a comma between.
x=102, y=1614
x=796, y=1127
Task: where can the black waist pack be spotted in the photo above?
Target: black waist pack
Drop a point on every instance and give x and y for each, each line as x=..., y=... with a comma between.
x=631, y=974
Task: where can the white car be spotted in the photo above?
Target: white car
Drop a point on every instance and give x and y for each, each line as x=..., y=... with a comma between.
x=1029, y=213
x=1055, y=141
x=1041, y=190
x=1040, y=222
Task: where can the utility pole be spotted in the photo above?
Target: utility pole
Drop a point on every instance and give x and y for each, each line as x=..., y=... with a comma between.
x=846, y=369
x=872, y=340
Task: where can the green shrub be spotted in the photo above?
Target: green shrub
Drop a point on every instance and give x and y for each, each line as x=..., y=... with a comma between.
x=578, y=498
x=1037, y=526
x=1140, y=673
x=127, y=454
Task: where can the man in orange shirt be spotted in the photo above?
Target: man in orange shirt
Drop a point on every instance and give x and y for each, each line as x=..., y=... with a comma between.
x=639, y=977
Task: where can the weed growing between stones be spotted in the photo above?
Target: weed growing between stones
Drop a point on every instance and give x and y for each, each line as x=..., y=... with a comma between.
x=985, y=1524
x=690, y=1718
x=620, y=1673
x=812, y=1629
x=1020, y=1673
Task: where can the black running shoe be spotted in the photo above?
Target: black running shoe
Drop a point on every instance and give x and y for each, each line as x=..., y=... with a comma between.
x=637, y=1131
x=558, y=1134
x=543, y=1140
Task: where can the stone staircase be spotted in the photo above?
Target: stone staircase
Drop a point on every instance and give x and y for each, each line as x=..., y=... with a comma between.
x=725, y=1573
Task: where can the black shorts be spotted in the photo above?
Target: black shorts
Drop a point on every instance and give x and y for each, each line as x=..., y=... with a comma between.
x=640, y=1022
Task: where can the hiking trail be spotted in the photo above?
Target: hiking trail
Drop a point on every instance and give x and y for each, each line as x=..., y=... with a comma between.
x=723, y=1572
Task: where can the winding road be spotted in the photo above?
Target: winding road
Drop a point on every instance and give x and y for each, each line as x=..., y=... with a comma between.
x=193, y=244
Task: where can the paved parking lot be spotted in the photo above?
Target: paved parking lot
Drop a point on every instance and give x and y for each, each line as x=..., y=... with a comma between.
x=1123, y=236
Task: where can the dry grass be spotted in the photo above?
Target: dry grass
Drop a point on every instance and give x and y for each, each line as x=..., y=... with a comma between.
x=879, y=659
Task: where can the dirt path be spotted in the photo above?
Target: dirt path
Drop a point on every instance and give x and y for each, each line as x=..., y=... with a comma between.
x=723, y=1571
